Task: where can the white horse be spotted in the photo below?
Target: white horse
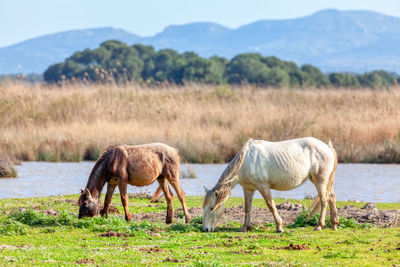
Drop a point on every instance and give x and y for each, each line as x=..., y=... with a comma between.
x=262, y=166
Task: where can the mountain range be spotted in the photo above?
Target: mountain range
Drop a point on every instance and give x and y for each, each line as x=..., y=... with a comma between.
x=333, y=40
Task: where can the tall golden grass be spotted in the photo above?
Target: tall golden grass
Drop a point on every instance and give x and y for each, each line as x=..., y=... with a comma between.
x=207, y=123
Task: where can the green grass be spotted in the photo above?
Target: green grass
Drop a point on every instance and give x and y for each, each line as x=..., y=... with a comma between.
x=29, y=236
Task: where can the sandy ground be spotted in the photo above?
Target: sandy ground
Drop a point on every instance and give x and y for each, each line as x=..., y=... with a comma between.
x=288, y=211
x=259, y=216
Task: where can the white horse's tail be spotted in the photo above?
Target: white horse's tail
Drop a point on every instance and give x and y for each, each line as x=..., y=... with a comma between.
x=317, y=202
x=223, y=186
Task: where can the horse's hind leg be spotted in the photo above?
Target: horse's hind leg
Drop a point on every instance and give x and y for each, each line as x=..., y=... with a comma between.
x=174, y=181
x=125, y=200
x=156, y=195
x=322, y=189
x=333, y=210
x=248, y=199
x=168, y=197
x=266, y=193
x=107, y=200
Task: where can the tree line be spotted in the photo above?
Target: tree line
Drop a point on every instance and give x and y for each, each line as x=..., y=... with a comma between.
x=115, y=61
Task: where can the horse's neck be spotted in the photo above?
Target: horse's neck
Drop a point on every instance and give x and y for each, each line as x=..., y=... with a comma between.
x=96, y=182
x=231, y=183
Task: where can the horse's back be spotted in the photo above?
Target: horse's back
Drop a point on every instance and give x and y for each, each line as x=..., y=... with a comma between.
x=149, y=161
x=284, y=165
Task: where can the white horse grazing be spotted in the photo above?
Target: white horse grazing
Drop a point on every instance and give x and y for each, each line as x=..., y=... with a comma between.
x=262, y=166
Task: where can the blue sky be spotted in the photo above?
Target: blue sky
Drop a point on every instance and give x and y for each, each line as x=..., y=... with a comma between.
x=25, y=19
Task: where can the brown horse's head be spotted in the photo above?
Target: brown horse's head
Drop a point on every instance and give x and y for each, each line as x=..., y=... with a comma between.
x=87, y=204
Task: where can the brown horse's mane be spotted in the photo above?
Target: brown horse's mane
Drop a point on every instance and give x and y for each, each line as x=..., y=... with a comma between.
x=111, y=159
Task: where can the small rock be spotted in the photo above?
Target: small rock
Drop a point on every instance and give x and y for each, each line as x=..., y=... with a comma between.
x=286, y=206
x=369, y=206
x=6, y=168
x=370, y=215
x=299, y=207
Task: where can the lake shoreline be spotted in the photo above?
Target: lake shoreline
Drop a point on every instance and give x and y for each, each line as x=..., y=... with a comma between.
x=361, y=182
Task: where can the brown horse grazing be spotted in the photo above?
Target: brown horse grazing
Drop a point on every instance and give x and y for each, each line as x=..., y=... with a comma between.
x=139, y=165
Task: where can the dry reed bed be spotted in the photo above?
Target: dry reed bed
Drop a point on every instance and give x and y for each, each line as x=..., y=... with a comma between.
x=206, y=123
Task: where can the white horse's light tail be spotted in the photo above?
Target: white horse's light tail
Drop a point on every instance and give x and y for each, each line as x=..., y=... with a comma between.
x=317, y=202
x=330, y=143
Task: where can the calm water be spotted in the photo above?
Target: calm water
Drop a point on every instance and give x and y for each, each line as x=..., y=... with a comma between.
x=366, y=182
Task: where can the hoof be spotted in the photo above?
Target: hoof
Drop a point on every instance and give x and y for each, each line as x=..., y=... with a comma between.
x=279, y=231
x=154, y=201
x=187, y=220
x=334, y=227
x=243, y=229
x=318, y=228
x=102, y=212
x=128, y=218
x=168, y=221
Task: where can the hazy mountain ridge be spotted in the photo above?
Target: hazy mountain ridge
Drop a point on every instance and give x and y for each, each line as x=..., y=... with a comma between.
x=332, y=40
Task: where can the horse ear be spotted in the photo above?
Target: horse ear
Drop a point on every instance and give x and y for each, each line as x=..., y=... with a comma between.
x=206, y=190
x=81, y=191
x=87, y=192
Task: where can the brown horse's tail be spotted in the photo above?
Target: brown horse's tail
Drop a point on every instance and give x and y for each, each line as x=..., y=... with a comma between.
x=317, y=203
x=223, y=186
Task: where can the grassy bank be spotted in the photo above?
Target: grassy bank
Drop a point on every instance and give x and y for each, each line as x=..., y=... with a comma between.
x=207, y=123
x=46, y=231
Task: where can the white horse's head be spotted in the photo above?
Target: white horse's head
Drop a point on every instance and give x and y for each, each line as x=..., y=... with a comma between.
x=213, y=208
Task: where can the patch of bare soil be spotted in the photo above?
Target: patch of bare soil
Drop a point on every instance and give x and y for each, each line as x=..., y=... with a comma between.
x=50, y=212
x=170, y=260
x=85, y=261
x=295, y=247
x=151, y=250
x=111, y=209
x=112, y=234
x=146, y=195
x=242, y=251
x=370, y=214
x=289, y=212
x=66, y=201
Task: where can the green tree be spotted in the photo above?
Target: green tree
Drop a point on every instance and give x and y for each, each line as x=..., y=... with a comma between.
x=53, y=73
x=203, y=70
x=247, y=68
x=343, y=80
x=315, y=76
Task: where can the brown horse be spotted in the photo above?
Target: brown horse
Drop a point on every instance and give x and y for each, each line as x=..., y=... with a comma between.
x=139, y=165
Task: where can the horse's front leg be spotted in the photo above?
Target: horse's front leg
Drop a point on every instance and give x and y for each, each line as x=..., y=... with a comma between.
x=266, y=193
x=125, y=200
x=174, y=181
x=107, y=200
x=248, y=200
